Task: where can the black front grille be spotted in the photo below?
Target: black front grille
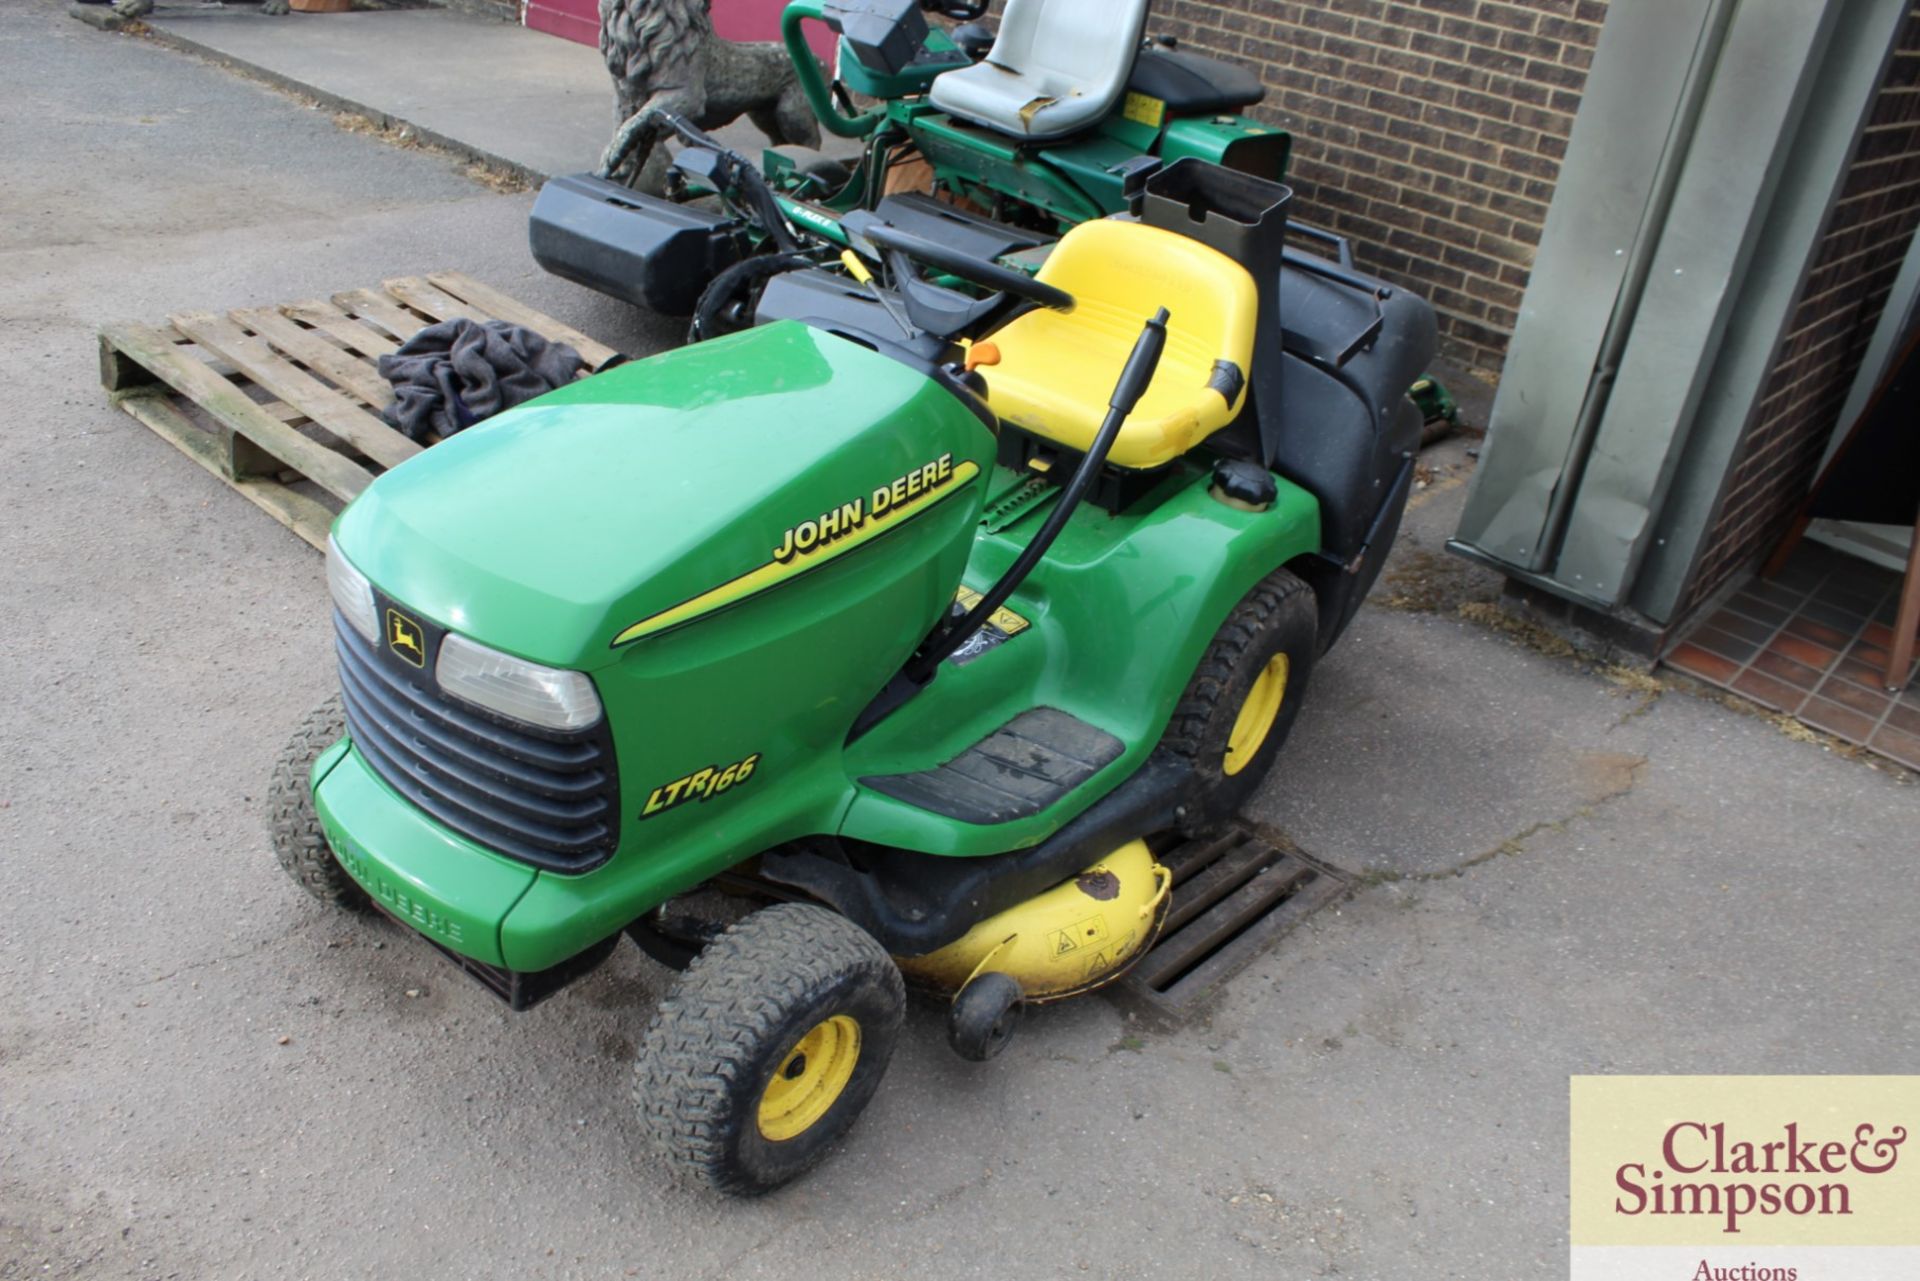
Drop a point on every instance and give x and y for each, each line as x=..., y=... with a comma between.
x=549, y=799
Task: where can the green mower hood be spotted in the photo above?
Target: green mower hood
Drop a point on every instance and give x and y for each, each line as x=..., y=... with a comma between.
x=551, y=529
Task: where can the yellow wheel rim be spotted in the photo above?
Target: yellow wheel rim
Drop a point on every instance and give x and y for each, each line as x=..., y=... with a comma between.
x=1257, y=714
x=810, y=1078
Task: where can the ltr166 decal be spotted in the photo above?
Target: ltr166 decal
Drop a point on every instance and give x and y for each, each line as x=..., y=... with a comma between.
x=701, y=785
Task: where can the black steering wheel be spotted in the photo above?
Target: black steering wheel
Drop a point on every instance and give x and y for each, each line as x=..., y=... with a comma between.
x=988, y=275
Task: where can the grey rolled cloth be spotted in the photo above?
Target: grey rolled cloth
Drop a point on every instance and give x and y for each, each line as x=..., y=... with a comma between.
x=451, y=375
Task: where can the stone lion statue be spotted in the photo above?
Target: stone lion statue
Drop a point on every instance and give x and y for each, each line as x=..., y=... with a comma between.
x=663, y=55
x=141, y=8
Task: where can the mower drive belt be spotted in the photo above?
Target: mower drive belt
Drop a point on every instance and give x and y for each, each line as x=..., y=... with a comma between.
x=1018, y=770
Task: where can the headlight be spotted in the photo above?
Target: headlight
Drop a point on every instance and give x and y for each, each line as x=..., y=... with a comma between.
x=543, y=696
x=352, y=593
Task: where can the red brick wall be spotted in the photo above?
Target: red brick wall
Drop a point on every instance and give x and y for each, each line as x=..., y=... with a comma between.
x=1430, y=131
x=1860, y=253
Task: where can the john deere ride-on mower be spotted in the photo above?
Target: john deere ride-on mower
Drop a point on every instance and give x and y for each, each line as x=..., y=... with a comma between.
x=924, y=613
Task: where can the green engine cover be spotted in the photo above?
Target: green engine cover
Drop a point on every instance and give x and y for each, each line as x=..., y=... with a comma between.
x=593, y=528
x=663, y=490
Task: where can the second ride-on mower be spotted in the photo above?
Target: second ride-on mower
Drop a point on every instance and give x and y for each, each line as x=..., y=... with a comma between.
x=992, y=143
x=1035, y=130
x=928, y=615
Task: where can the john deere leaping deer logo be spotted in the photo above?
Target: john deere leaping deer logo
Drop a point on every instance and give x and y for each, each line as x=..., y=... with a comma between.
x=405, y=639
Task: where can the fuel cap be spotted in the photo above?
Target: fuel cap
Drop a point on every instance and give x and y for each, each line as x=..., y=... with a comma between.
x=1243, y=484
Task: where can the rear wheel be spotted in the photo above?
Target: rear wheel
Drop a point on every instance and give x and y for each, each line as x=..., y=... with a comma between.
x=768, y=1049
x=1241, y=703
x=298, y=843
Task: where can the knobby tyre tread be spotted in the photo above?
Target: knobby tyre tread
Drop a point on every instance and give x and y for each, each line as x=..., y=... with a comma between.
x=1278, y=614
x=298, y=841
x=745, y=1000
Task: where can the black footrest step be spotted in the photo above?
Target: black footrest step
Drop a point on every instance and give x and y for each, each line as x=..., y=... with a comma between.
x=1021, y=768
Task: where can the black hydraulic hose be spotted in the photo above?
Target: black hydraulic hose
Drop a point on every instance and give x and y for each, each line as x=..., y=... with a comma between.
x=736, y=284
x=1126, y=394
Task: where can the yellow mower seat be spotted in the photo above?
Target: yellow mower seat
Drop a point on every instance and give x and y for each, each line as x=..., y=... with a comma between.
x=1057, y=370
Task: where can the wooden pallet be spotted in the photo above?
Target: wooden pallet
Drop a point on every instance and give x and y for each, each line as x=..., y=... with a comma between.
x=283, y=403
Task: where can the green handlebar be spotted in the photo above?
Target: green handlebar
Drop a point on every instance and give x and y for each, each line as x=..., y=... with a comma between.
x=812, y=83
x=810, y=220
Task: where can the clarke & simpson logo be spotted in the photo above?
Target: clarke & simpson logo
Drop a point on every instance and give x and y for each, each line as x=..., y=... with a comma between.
x=1744, y=1179
x=1728, y=1190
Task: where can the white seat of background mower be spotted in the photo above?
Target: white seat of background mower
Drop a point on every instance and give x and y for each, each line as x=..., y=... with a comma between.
x=1057, y=369
x=1056, y=67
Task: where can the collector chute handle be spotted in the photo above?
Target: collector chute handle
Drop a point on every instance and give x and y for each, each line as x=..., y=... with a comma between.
x=1134, y=377
x=1138, y=373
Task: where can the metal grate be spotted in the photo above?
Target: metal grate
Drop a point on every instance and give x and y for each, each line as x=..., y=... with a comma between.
x=1233, y=894
x=551, y=800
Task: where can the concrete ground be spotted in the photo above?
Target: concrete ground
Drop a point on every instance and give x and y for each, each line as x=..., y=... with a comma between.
x=507, y=95
x=204, y=1075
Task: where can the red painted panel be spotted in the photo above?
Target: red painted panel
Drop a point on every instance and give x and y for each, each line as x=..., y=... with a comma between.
x=760, y=20
x=579, y=20
x=576, y=20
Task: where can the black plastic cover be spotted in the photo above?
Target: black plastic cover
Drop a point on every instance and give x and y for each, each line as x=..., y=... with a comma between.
x=1242, y=215
x=1347, y=433
x=917, y=903
x=1245, y=481
x=634, y=247
x=829, y=300
x=974, y=38
x=1193, y=85
x=942, y=223
x=524, y=989
x=1333, y=356
x=833, y=302
x=883, y=34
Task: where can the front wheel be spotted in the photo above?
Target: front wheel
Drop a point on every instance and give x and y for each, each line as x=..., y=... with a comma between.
x=1243, y=698
x=298, y=843
x=768, y=1049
